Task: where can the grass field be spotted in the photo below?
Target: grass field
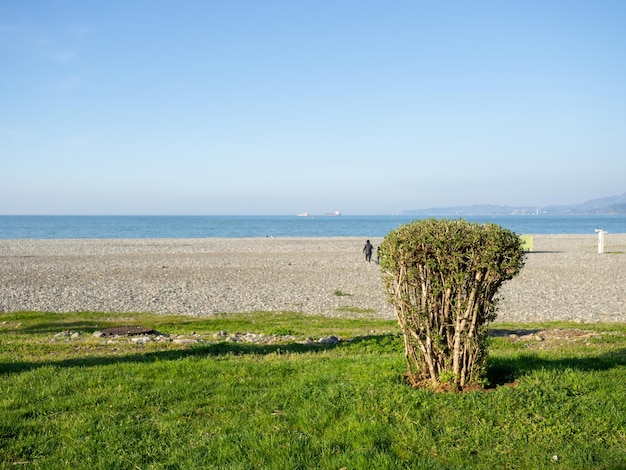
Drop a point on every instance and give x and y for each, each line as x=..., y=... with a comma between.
x=193, y=400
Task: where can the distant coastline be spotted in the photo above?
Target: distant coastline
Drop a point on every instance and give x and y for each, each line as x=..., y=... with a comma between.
x=615, y=205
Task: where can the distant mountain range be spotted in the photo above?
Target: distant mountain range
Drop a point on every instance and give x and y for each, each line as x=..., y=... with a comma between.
x=615, y=205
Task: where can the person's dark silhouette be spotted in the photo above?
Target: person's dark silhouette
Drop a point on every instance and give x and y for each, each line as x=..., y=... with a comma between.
x=367, y=249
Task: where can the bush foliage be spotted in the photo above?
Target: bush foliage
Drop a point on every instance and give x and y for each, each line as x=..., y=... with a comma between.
x=442, y=277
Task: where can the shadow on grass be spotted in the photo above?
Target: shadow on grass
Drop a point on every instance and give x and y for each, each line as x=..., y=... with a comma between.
x=199, y=351
x=503, y=371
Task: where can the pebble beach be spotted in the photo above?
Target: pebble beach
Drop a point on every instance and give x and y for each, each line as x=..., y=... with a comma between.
x=564, y=277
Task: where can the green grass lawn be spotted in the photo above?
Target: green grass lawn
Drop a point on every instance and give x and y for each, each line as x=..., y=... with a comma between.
x=86, y=402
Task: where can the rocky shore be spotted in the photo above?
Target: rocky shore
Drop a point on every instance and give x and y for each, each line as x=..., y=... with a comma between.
x=564, y=277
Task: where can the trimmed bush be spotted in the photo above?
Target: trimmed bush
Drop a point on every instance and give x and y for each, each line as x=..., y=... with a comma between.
x=442, y=277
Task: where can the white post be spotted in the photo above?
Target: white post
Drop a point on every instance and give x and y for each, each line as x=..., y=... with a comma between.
x=600, y=240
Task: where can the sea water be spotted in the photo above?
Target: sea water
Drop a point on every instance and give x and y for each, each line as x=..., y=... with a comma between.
x=67, y=227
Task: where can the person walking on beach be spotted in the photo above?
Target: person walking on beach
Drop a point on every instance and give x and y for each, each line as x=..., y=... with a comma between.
x=367, y=249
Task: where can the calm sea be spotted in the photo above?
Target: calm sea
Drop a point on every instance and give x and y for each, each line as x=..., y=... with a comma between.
x=45, y=227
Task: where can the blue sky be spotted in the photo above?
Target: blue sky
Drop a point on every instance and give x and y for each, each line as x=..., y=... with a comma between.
x=281, y=107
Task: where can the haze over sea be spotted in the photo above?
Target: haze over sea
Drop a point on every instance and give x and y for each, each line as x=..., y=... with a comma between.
x=69, y=227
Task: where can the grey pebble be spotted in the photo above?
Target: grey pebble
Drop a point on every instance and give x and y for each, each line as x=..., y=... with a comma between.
x=564, y=277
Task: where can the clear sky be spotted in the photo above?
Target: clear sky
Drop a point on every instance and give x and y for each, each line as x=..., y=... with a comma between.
x=280, y=107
